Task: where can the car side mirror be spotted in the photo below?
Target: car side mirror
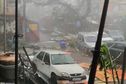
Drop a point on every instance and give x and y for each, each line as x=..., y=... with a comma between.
x=47, y=63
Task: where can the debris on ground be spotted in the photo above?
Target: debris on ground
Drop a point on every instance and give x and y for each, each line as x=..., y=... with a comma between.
x=100, y=74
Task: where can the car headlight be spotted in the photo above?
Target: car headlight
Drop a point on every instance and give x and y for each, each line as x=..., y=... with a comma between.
x=84, y=75
x=64, y=74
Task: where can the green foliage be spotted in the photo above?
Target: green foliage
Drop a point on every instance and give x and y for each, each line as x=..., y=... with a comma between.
x=104, y=50
x=105, y=57
x=72, y=44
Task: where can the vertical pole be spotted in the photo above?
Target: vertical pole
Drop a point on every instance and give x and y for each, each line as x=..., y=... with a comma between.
x=16, y=41
x=24, y=18
x=123, y=67
x=4, y=11
x=96, y=53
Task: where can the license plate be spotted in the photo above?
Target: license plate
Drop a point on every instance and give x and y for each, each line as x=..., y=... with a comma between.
x=77, y=82
x=76, y=79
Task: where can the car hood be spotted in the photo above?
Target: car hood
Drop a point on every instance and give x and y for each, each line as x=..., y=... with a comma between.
x=107, y=39
x=69, y=68
x=91, y=45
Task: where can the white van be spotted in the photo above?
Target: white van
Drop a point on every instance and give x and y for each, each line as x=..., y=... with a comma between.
x=87, y=40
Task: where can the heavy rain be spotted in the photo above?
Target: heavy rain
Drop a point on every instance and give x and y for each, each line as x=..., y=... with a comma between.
x=57, y=40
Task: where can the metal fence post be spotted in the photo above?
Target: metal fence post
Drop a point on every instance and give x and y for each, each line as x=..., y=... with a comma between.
x=123, y=67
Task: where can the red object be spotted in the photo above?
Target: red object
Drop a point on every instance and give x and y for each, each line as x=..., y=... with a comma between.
x=119, y=71
x=32, y=36
x=67, y=53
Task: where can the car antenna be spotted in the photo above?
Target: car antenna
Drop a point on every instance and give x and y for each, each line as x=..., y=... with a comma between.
x=96, y=53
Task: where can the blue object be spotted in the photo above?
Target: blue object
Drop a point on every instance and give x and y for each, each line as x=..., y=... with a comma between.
x=62, y=44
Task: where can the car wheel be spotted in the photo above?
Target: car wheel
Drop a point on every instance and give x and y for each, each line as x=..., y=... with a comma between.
x=40, y=80
x=53, y=79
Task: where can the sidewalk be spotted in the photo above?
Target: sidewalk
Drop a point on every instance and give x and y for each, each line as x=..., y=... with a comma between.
x=100, y=78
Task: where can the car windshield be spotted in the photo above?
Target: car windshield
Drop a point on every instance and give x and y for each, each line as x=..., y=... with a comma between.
x=61, y=59
x=105, y=35
x=90, y=39
x=115, y=33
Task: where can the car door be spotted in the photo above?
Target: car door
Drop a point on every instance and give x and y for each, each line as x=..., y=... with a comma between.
x=46, y=65
x=38, y=60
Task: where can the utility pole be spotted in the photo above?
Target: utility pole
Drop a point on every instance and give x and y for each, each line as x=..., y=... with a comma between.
x=16, y=41
x=4, y=12
x=96, y=53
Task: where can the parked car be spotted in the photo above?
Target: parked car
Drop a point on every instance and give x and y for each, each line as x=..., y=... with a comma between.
x=59, y=66
x=117, y=35
x=86, y=40
x=117, y=51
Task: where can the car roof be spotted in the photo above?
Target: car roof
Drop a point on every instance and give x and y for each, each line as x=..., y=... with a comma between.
x=93, y=33
x=50, y=51
x=105, y=37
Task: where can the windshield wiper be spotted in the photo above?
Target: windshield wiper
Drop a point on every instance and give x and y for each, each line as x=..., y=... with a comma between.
x=68, y=63
x=57, y=63
x=62, y=63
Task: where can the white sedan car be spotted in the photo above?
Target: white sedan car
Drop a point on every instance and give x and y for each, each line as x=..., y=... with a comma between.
x=59, y=66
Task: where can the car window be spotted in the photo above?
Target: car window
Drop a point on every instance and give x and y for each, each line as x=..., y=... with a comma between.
x=90, y=38
x=47, y=58
x=40, y=55
x=62, y=59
